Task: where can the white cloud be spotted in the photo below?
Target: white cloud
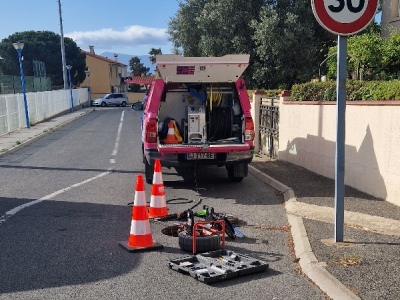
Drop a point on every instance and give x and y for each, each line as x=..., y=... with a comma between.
x=132, y=36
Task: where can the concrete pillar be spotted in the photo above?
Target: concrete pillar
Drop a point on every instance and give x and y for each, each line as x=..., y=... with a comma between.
x=283, y=96
x=255, y=114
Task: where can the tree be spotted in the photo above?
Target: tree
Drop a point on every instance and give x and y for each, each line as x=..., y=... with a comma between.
x=272, y=32
x=137, y=68
x=290, y=44
x=390, y=56
x=215, y=28
x=153, y=52
x=369, y=56
x=43, y=46
x=225, y=28
x=363, y=50
x=180, y=28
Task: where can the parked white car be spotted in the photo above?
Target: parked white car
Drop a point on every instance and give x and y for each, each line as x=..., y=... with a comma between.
x=117, y=99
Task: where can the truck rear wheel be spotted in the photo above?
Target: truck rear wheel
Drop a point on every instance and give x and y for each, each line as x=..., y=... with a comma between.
x=237, y=172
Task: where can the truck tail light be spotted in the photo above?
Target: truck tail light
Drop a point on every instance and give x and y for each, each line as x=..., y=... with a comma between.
x=249, y=129
x=151, y=131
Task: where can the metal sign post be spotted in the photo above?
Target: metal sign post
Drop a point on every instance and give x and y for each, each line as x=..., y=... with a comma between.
x=340, y=136
x=342, y=17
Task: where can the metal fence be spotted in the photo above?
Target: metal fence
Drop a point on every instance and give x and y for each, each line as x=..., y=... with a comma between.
x=41, y=106
x=12, y=84
x=269, y=127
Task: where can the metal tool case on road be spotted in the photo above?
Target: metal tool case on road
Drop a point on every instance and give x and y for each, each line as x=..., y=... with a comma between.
x=217, y=265
x=198, y=112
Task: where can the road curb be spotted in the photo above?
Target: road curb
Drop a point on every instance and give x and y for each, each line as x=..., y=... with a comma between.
x=309, y=264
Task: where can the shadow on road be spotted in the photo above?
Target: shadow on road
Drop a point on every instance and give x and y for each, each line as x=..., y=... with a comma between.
x=61, y=243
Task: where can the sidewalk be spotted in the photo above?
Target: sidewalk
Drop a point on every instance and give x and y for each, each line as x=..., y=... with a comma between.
x=365, y=265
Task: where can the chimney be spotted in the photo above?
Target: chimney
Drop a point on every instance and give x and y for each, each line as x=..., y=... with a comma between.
x=115, y=56
x=91, y=49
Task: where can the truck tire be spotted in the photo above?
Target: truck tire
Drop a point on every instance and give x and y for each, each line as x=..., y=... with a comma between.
x=203, y=243
x=231, y=175
x=148, y=172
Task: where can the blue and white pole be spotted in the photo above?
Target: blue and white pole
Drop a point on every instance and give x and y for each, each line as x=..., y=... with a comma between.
x=19, y=46
x=70, y=86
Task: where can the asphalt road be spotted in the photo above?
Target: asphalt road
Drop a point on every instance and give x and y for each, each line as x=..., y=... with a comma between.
x=69, y=195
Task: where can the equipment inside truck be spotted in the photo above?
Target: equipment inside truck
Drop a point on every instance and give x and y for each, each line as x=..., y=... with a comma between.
x=204, y=112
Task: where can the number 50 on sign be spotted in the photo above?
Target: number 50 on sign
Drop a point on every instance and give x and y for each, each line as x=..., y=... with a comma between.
x=344, y=17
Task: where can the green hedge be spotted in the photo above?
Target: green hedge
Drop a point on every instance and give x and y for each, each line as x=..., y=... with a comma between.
x=356, y=90
x=268, y=93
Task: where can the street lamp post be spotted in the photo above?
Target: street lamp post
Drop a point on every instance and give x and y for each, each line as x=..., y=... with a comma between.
x=19, y=46
x=70, y=86
x=89, y=91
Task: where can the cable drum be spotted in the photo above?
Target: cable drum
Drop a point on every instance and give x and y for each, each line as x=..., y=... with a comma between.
x=220, y=119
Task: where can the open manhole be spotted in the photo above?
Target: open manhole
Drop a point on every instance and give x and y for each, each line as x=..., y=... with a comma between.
x=171, y=230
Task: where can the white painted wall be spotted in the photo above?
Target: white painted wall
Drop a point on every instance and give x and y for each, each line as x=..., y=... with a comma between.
x=41, y=105
x=175, y=106
x=307, y=137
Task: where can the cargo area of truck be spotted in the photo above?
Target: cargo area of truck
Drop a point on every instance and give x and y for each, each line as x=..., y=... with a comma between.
x=198, y=111
x=205, y=113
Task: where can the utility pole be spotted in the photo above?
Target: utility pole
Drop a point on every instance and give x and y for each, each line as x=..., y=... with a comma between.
x=62, y=47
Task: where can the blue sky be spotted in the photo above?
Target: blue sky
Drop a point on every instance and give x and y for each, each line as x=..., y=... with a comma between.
x=129, y=27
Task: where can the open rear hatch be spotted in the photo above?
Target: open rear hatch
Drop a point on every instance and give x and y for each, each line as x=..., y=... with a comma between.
x=212, y=81
x=176, y=68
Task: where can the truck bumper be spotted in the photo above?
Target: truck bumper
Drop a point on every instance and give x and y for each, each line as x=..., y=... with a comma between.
x=179, y=160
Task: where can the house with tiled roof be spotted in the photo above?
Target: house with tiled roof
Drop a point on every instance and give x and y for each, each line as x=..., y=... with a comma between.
x=142, y=80
x=105, y=75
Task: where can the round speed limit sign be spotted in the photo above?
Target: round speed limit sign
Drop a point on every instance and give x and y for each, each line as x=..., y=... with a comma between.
x=344, y=17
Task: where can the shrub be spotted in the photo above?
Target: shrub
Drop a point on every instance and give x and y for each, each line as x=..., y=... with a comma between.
x=355, y=91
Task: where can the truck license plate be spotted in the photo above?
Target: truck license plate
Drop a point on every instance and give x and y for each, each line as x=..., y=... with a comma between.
x=191, y=156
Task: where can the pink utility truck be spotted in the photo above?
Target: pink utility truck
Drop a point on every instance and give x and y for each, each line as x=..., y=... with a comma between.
x=198, y=112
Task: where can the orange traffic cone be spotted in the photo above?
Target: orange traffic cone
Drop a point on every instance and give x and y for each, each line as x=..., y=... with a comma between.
x=140, y=238
x=158, y=203
x=171, y=137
